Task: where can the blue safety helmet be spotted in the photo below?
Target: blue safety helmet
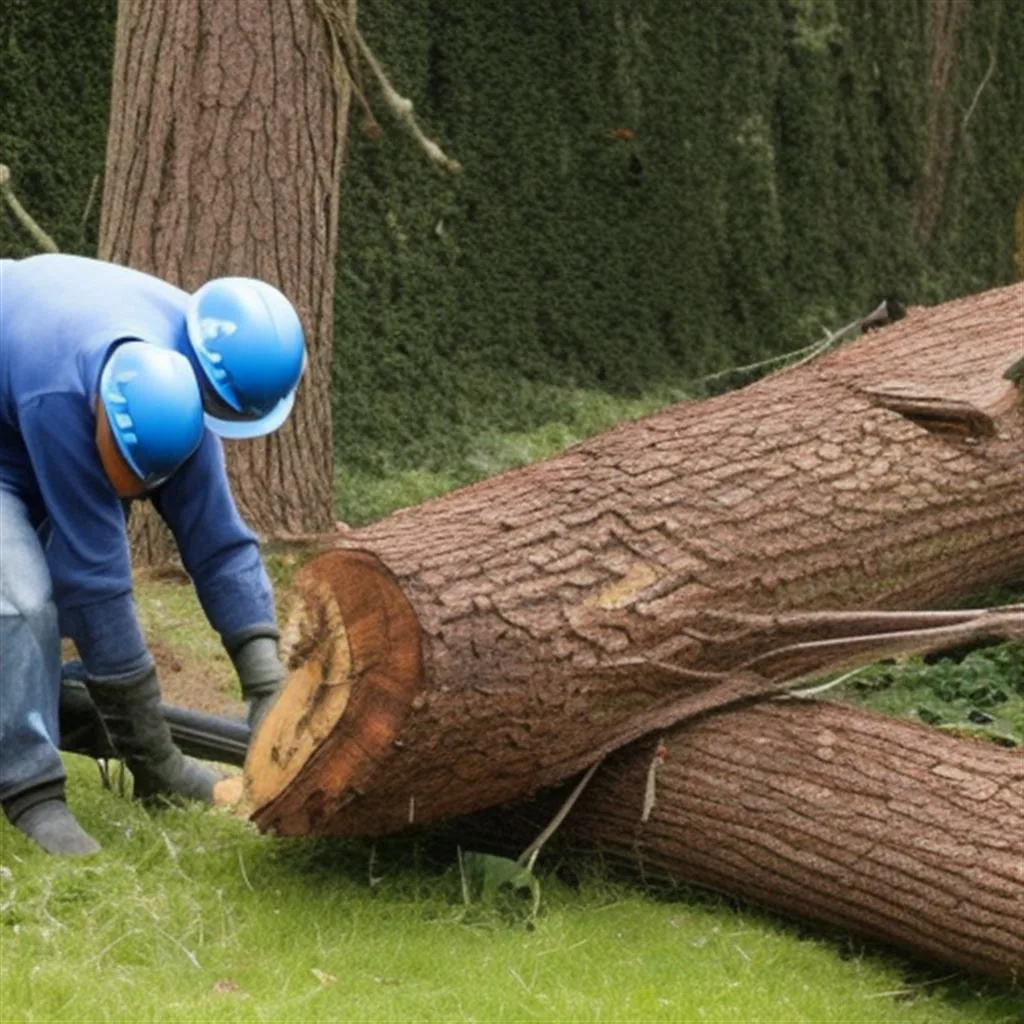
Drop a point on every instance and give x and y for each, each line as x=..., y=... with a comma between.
x=247, y=344
x=154, y=408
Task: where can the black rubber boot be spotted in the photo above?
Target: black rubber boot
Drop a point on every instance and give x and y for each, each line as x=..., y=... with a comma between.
x=45, y=818
x=132, y=716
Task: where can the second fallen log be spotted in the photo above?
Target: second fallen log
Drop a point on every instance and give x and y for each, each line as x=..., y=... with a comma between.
x=876, y=826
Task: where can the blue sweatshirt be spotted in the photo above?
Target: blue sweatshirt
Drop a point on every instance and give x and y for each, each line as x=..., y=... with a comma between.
x=59, y=317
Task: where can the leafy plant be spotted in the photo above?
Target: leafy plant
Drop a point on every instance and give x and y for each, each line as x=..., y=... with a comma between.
x=981, y=693
x=501, y=884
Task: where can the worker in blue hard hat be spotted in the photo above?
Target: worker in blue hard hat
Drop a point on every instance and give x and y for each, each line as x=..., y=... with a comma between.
x=109, y=379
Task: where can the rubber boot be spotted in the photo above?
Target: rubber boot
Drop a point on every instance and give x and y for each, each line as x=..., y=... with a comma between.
x=142, y=739
x=45, y=818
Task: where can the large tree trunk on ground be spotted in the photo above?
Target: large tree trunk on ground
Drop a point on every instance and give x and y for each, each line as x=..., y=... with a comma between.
x=224, y=154
x=852, y=820
x=502, y=638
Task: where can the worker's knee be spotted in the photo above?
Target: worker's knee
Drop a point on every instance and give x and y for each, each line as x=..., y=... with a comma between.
x=25, y=586
x=27, y=593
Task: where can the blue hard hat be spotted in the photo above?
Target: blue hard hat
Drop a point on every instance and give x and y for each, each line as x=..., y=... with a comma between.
x=247, y=342
x=154, y=408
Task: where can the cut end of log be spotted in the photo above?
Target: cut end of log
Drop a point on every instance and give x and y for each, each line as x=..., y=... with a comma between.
x=355, y=668
x=315, y=697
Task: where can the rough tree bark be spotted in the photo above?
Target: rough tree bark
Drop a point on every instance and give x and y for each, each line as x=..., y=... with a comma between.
x=224, y=152
x=868, y=824
x=467, y=652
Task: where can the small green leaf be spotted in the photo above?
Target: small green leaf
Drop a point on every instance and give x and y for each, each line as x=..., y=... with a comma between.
x=930, y=715
x=487, y=880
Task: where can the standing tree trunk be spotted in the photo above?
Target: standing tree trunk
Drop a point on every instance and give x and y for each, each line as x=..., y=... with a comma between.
x=224, y=153
x=502, y=638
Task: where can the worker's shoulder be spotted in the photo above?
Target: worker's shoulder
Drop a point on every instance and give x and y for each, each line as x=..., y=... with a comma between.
x=69, y=298
x=68, y=269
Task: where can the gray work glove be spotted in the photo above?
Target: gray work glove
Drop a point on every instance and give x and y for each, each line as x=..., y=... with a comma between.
x=261, y=674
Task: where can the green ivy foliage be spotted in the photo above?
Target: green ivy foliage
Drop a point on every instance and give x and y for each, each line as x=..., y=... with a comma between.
x=55, y=69
x=980, y=694
x=653, y=189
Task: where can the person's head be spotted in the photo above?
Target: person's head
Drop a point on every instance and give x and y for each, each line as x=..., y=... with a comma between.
x=149, y=416
x=249, y=352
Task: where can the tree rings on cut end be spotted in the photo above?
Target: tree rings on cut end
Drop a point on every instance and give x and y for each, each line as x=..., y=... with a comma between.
x=354, y=669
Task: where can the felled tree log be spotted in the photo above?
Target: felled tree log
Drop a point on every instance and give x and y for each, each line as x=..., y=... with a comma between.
x=860, y=822
x=469, y=651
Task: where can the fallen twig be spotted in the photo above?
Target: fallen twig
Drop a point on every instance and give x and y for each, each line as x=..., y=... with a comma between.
x=529, y=856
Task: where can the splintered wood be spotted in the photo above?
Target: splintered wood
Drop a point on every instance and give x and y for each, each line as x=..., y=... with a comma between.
x=316, y=697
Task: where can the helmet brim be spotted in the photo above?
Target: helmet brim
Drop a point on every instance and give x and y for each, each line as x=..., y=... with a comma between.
x=237, y=430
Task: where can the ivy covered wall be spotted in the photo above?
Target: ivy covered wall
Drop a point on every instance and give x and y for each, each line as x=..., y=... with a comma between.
x=652, y=188
x=55, y=64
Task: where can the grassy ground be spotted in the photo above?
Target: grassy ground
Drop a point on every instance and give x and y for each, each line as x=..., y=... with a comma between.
x=189, y=915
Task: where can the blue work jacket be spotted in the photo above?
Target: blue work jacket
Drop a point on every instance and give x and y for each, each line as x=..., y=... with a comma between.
x=59, y=317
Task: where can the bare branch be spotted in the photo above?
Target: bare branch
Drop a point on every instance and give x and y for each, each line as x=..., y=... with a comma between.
x=979, y=90
x=93, y=190
x=348, y=47
x=39, y=236
x=402, y=108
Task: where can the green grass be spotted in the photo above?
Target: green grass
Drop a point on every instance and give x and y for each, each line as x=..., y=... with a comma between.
x=189, y=915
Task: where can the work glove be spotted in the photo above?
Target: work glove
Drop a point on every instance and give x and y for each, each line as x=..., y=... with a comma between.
x=131, y=713
x=261, y=674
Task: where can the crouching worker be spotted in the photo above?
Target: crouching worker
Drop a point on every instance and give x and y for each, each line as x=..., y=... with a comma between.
x=114, y=386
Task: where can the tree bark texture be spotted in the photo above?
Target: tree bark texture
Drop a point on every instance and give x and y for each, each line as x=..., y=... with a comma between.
x=224, y=153
x=860, y=822
x=467, y=652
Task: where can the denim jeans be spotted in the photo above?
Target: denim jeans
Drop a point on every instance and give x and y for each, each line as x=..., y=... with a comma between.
x=29, y=656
